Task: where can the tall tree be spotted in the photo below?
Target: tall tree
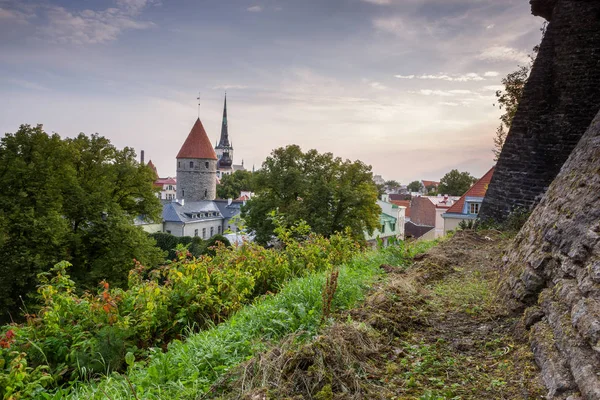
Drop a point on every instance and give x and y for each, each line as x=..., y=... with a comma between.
x=509, y=98
x=231, y=186
x=415, y=186
x=328, y=193
x=74, y=200
x=456, y=183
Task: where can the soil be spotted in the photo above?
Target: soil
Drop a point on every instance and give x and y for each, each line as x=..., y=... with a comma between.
x=435, y=330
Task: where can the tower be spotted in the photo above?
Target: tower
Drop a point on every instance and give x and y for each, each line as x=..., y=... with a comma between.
x=197, y=167
x=224, y=148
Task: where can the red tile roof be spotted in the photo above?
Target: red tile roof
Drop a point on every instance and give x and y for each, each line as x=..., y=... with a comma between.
x=403, y=203
x=197, y=144
x=477, y=190
x=430, y=183
x=166, y=181
x=151, y=165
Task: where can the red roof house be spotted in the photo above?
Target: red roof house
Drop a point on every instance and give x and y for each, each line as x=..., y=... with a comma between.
x=467, y=207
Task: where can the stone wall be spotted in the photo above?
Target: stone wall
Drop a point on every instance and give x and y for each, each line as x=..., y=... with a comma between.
x=197, y=181
x=560, y=100
x=554, y=270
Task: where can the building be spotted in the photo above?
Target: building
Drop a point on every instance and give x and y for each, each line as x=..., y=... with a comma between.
x=224, y=149
x=468, y=206
x=391, y=226
x=426, y=220
x=194, y=211
x=429, y=187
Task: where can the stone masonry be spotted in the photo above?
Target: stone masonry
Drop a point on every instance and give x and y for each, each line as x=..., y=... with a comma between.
x=554, y=272
x=559, y=101
x=196, y=179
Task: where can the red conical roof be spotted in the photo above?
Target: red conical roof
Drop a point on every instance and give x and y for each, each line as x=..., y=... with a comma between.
x=151, y=165
x=197, y=144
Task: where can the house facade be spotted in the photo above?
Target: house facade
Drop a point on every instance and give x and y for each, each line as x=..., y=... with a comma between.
x=467, y=207
x=391, y=225
x=426, y=222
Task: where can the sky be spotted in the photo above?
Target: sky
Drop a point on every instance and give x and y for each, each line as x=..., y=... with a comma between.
x=406, y=86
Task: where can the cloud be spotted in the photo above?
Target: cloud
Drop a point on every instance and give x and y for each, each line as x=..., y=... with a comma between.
x=379, y=2
x=26, y=84
x=490, y=26
x=449, y=103
x=378, y=86
x=254, y=9
x=229, y=86
x=471, y=76
x=503, y=53
x=491, y=74
x=13, y=16
x=493, y=88
x=443, y=93
x=397, y=26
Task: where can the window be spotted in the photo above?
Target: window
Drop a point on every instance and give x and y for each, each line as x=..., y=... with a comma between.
x=203, y=233
x=182, y=193
x=169, y=232
x=218, y=230
x=191, y=164
x=212, y=231
x=206, y=164
x=195, y=232
x=205, y=192
x=383, y=228
x=473, y=208
x=178, y=164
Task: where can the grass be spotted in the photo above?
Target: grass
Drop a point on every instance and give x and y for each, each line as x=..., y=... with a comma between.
x=188, y=369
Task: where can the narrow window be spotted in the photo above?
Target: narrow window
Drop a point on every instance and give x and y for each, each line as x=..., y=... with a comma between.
x=212, y=231
x=182, y=193
x=203, y=233
x=178, y=164
x=206, y=164
x=205, y=192
x=219, y=230
x=191, y=164
x=195, y=232
x=383, y=228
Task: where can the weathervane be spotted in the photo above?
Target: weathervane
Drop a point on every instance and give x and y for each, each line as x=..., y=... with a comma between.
x=198, y=98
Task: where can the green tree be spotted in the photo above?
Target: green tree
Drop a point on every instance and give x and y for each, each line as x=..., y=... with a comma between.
x=75, y=200
x=392, y=184
x=509, y=98
x=328, y=193
x=415, y=186
x=456, y=183
x=231, y=185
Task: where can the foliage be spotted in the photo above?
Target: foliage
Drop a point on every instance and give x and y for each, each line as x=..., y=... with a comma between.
x=189, y=369
x=328, y=193
x=70, y=199
x=509, y=98
x=231, y=186
x=456, y=183
x=415, y=186
x=74, y=337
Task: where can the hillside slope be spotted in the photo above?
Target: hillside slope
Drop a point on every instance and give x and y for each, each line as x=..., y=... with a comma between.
x=432, y=331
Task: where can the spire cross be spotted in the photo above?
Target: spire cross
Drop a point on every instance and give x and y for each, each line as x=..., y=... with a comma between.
x=198, y=98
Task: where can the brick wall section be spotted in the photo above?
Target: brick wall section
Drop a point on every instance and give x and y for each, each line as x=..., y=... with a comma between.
x=559, y=102
x=422, y=211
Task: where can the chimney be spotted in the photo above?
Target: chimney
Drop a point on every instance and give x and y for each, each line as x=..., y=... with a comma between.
x=142, y=157
x=229, y=200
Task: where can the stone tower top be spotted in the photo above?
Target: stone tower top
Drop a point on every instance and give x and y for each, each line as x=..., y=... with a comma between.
x=197, y=144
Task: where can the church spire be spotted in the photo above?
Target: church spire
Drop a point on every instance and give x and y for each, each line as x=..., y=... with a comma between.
x=224, y=141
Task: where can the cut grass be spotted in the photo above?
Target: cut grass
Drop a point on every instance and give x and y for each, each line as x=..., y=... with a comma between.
x=188, y=369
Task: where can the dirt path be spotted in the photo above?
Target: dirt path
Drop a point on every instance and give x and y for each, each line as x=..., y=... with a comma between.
x=434, y=331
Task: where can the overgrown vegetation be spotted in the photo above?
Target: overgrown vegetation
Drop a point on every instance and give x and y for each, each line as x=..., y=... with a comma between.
x=79, y=337
x=72, y=199
x=434, y=331
x=195, y=245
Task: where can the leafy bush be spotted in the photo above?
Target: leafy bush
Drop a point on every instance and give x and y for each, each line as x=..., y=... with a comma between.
x=74, y=336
